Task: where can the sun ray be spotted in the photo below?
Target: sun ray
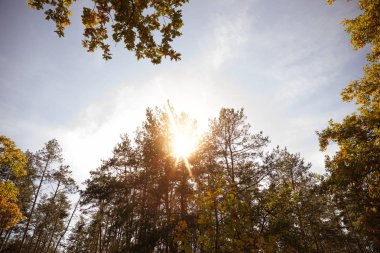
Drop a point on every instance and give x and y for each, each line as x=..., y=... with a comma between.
x=183, y=143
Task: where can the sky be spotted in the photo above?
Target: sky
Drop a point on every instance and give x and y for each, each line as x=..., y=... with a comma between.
x=284, y=62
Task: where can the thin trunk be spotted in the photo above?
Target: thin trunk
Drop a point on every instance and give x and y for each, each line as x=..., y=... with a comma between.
x=48, y=214
x=34, y=204
x=52, y=235
x=100, y=237
x=227, y=164
x=106, y=231
x=67, y=226
x=232, y=162
x=6, y=237
x=167, y=221
x=38, y=242
x=101, y=212
x=183, y=194
x=96, y=244
x=56, y=220
x=56, y=190
x=39, y=234
x=132, y=224
x=216, y=227
x=2, y=240
x=299, y=214
x=29, y=242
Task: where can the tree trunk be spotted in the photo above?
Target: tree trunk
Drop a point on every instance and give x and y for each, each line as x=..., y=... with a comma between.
x=216, y=227
x=6, y=237
x=67, y=226
x=34, y=204
x=52, y=235
x=38, y=242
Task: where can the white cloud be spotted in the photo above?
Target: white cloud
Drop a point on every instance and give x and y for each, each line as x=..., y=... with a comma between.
x=193, y=88
x=289, y=60
x=229, y=36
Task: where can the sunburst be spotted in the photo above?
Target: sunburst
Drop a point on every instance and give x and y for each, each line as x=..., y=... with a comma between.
x=184, y=139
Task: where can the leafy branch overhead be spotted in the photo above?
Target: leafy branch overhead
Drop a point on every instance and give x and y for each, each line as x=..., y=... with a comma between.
x=146, y=27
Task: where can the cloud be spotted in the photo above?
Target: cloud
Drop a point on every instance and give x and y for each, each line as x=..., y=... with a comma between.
x=250, y=54
x=197, y=89
x=229, y=36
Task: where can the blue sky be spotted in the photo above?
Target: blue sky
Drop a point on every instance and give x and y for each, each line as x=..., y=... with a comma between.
x=284, y=62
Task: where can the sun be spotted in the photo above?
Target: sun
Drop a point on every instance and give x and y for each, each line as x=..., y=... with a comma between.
x=183, y=145
x=184, y=137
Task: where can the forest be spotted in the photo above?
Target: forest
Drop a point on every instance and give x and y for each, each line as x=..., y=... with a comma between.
x=229, y=194
x=167, y=188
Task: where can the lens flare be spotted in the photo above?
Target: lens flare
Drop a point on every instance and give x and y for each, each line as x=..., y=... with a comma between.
x=184, y=138
x=183, y=145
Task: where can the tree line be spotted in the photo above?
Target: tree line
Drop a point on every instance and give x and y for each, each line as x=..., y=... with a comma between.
x=232, y=195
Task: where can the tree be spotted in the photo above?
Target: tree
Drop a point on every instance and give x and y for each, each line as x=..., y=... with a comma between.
x=12, y=166
x=10, y=213
x=237, y=197
x=48, y=208
x=139, y=199
x=52, y=210
x=78, y=237
x=236, y=148
x=25, y=186
x=355, y=168
x=299, y=216
x=48, y=222
x=146, y=27
x=229, y=177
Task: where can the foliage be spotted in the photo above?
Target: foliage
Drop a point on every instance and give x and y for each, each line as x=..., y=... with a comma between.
x=12, y=166
x=355, y=168
x=231, y=194
x=138, y=197
x=10, y=213
x=46, y=210
x=147, y=27
x=237, y=198
x=12, y=160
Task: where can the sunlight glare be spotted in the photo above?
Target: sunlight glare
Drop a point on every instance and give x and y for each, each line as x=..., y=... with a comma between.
x=183, y=145
x=184, y=140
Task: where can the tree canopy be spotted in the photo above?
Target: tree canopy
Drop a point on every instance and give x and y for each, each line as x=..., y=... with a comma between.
x=146, y=27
